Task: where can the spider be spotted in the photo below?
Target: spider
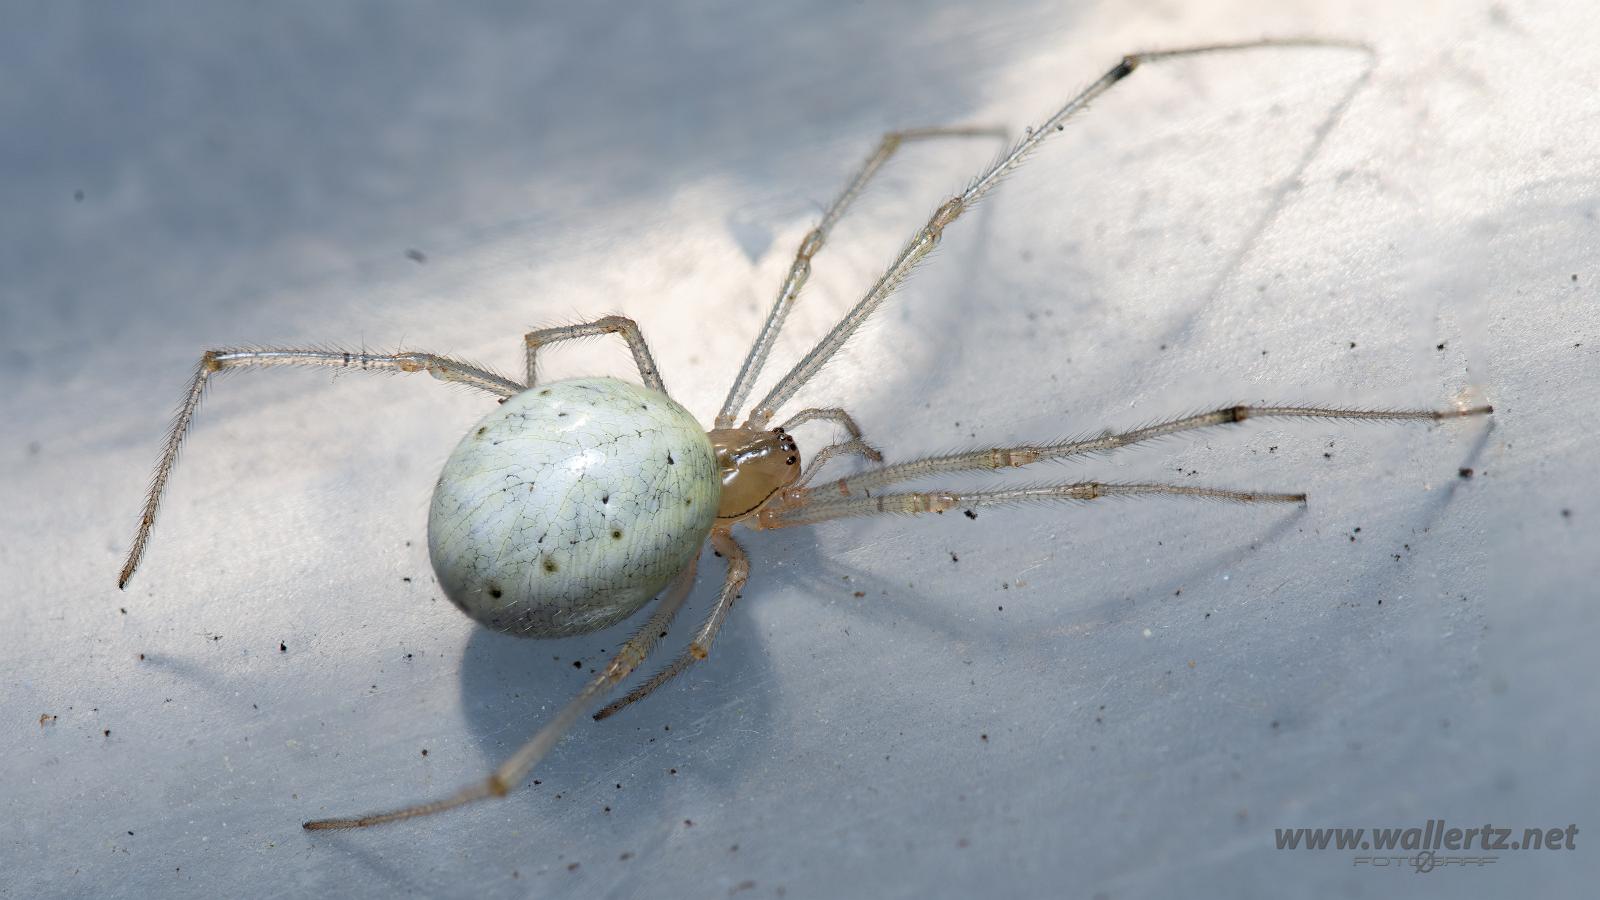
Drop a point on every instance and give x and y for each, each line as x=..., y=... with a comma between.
x=574, y=503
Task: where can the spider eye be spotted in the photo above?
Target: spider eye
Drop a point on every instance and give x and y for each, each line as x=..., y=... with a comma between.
x=791, y=460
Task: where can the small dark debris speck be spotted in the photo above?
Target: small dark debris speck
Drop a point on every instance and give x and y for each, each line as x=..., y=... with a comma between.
x=1465, y=472
x=969, y=514
x=416, y=256
x=688, y=823
x=572, y=867
x=107, y=732
x=282, y=647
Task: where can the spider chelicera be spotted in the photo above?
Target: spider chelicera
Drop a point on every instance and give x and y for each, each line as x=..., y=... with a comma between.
x=575, y=503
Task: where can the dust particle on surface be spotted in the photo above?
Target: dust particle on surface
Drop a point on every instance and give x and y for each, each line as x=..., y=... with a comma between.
x=282, y=647
x=969, y=514
x=416, y=256
x=1465, y=472
x=46, y=719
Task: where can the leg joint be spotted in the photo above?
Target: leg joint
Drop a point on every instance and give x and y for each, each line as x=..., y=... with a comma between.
x=810, y=246
x=617, y=323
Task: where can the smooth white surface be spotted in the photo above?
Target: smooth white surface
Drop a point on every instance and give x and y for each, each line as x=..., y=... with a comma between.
x=1119, y=701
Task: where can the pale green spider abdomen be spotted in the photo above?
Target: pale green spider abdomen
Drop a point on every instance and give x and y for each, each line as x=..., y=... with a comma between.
x=571, y=506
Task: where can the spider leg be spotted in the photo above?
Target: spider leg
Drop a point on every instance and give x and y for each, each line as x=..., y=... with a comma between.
x=1026, y=454
x=828, y=413
x=511, y=772
x=853, y=445
x=213, y=361
x=780, y=515
x=800, y=270
x=700, y=647
x=928, y=237
x=799, y=489
x=622, y=325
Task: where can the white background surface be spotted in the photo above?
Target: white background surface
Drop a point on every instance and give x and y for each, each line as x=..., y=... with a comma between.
x=1160, y=684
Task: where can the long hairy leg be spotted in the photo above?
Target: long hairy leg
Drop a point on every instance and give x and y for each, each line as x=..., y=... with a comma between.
x=511, y=773
x=700, y=647
x=620, y=325
x=808, y=512
x=214, y=361
x=1026, y=454
x=800, y=269
x=928, y=237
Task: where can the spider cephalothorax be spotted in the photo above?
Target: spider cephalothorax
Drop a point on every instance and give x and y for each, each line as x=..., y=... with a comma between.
x=755, y=465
